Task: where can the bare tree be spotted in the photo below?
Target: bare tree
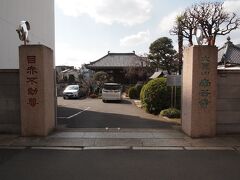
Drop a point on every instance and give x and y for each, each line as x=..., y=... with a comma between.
x=184, y=29
x=134, y=74
x=184, y=26
x=214, y=20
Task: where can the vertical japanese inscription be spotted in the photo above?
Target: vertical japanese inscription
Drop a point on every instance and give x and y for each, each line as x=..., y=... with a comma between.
x=205, y=83
x=32, y=81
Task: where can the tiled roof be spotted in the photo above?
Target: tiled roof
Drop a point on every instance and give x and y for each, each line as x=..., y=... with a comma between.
x=118, y=60
x=229, y=54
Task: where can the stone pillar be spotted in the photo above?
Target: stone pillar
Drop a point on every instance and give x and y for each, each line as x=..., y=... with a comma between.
x=37, y=93
x=199, y=89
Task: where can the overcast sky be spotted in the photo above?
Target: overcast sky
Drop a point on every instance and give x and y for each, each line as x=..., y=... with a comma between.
x=87, y=29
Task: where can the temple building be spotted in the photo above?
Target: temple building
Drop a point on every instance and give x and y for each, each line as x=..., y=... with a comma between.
x=118, y=64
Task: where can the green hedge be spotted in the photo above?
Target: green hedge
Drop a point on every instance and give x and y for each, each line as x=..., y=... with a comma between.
x=142, y=93
x=155, y=95
x=134, y=92
x=138, y=88
x=171, y=113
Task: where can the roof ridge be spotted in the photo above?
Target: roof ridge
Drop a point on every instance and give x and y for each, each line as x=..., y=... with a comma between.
x=130, y=53
x=121, y=53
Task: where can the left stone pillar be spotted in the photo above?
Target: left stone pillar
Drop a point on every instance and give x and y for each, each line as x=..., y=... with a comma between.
x=37, y=94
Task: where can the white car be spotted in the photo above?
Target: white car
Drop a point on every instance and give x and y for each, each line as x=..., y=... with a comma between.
x=112, y=92
x=71, y=91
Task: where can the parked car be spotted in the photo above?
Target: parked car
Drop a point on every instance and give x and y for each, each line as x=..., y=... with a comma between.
x=112, y=91
x=74, y=91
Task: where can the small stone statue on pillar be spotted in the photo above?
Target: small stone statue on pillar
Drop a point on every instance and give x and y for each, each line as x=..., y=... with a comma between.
x=22, y=31
x=198, y=32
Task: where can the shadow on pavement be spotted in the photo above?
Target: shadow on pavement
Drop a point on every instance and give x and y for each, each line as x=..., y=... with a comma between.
x=66, y=112
x=92, y=119
x=121, y=102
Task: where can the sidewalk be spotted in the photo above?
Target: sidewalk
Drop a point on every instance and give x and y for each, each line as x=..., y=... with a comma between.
x=142, y=139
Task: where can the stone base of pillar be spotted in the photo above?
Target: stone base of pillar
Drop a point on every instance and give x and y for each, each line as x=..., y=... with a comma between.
x=37, y=94
x=199, y=91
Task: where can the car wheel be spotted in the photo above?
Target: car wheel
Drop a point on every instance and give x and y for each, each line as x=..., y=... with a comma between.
x=64, y=97
x=104, y=101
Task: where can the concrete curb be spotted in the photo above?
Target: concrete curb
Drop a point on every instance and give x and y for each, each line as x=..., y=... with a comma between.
x=209, y=148
x=59, y=148
x=134, y=148
x=107, y=148
x=158, y=148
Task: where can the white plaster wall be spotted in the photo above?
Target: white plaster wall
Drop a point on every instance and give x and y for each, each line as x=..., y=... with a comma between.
x=40, y=14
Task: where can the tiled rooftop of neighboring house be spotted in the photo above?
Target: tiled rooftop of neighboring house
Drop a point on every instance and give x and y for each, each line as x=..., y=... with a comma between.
x=118, y=60
x=229, y=54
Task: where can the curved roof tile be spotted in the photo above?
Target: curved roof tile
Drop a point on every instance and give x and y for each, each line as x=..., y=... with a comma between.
x=119, y=60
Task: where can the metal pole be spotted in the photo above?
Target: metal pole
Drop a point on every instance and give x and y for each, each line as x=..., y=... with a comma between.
x=175, y=96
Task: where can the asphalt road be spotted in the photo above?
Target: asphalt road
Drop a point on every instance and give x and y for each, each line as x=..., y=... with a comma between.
x=93, y=113
x=118, y=165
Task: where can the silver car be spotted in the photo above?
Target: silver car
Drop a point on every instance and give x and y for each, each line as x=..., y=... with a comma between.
x=71, y=91
x=112, y=91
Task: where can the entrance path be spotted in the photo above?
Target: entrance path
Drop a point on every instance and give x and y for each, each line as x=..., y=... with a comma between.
x=144, y=135
x=93, y=113
x=92, y=124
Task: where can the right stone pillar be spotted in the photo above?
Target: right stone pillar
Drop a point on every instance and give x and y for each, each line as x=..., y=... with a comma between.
x=199, y=91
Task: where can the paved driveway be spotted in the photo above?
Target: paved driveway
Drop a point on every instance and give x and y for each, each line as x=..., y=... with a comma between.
x=93, y=113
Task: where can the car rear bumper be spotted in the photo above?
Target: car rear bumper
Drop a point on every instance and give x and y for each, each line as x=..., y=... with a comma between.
x=111, y=96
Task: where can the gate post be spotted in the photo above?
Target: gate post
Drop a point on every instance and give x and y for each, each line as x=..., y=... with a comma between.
x=199, y=91
x=37, y=95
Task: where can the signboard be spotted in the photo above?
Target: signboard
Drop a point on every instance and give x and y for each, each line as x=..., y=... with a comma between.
x=174, y=80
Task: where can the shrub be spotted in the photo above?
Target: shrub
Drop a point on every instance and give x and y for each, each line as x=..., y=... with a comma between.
x=138, y=88
x=155, y=95
x=132, y=93
x=142, y=93
x=171, y=113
